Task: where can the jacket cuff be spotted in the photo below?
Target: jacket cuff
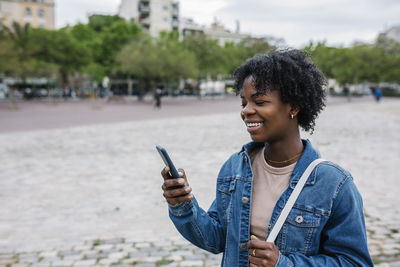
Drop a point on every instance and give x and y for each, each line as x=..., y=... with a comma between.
x=283, y=261
x=180, y=209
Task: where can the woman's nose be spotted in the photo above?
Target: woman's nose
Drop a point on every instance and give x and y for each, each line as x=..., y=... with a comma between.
x=247, y=110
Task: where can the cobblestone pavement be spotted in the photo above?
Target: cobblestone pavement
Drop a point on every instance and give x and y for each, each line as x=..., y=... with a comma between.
x=91, y=195
x=118, y=252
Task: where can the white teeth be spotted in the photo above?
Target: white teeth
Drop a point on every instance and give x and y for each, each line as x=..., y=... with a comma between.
x=254, y=124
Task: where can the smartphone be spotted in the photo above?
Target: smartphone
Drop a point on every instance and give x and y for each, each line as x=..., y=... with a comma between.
x=168, y=162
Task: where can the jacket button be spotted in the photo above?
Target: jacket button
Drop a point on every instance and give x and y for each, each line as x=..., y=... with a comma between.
x=243, y=246
x=299, y=219
x=245, y=200
x=245, y=159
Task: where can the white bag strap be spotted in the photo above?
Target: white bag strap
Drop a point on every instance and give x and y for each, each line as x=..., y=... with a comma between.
x=292, y=199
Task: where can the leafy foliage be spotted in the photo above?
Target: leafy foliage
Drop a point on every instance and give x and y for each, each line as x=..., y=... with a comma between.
x=110, y=46
x=379, y=62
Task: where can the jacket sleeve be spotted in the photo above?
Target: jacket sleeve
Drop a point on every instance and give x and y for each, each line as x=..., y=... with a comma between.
x=204, y=229
x=344, y=239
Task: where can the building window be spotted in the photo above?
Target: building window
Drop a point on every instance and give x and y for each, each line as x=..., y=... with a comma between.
x=165, y=8
x=165, y=19
x=41, y=13
x=28, y=11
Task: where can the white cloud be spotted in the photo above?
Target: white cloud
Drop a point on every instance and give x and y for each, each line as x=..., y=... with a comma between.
x=74, y=11
x=337, y=21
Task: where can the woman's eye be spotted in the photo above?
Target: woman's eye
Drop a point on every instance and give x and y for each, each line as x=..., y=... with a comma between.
x=259, y=103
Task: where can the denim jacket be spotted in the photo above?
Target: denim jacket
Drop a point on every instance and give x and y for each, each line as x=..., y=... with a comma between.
x=331, y=233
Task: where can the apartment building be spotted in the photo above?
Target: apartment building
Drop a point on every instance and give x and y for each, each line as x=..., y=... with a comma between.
x=38, y=13
x=392, y=33
x=218, y=32
x=153, y=15
x=188, y=26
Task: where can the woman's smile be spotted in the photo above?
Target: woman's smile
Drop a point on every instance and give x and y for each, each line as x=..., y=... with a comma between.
x=253, y=127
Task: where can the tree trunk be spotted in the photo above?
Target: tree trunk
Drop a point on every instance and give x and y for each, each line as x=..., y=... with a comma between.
x=140, y=90
x=12, y=104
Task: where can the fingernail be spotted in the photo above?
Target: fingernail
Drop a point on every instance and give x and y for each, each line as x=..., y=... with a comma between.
x=180, y=173
x=253, y=237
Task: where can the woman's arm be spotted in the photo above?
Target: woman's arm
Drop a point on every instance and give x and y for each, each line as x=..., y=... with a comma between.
x=203, y=229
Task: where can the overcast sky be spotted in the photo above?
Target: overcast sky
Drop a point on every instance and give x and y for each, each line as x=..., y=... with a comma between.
x=339, y=22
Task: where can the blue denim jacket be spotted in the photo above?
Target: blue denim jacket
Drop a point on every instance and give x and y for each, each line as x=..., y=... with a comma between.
x=332, y=232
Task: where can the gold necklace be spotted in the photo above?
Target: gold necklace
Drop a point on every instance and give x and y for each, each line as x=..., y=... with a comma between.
x=285, y=161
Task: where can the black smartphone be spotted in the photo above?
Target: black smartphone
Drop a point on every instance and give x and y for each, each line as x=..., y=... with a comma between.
x=168, y=162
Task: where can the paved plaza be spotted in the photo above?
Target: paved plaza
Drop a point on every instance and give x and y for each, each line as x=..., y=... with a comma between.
x=90, y=195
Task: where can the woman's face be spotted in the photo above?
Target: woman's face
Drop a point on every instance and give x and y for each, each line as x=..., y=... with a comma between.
x=267, y=119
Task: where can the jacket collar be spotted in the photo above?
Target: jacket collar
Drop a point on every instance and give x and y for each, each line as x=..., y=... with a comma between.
x=308, y=156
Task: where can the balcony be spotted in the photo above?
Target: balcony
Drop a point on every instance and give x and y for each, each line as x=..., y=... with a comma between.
x=175, y=24
x=144, y=9
x=175, y=12
x=145, y=21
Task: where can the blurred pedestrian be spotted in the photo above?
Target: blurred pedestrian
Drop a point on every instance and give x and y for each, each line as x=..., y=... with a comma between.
x=280, y=92
x=157, y=98
x=378, y=94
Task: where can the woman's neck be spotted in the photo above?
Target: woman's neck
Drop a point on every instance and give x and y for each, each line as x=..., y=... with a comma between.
x=283, y=153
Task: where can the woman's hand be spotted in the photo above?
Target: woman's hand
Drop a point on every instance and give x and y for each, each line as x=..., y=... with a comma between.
x=262, y=253
x=176, y=190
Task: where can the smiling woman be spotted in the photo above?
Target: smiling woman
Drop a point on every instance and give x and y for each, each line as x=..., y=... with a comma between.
x=280, y=92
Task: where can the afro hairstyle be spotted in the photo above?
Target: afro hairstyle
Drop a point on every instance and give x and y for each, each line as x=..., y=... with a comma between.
x=294, y=75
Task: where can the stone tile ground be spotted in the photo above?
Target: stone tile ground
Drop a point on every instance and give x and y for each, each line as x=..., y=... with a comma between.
x=91, y=195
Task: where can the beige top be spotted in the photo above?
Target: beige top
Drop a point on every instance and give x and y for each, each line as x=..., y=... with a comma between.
x=268, y=185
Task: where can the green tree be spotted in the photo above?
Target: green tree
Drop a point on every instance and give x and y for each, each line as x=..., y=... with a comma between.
x=104, y=36
x=60, y=49
x=99, y=22
x=156, y=60
x=18, y=59
x=209, y=54
x=359, y=63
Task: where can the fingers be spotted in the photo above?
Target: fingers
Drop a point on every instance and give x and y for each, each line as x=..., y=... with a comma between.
x=253, y=237
x=265, y=262
x=183, y=175
x=173, y=183
x=259, y=244
x=259, y=262
x=175, y=195
x=176, y=190
x=262, y=253
x=165, y=173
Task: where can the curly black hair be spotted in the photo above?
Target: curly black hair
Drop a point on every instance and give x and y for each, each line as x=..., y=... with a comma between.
x=294, y=75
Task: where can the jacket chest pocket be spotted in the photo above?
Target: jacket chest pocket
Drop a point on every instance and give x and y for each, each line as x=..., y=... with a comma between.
x=226, y=190
x=299, y=231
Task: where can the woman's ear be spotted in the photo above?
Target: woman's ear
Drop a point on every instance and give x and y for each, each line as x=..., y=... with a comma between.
x=294, y=110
